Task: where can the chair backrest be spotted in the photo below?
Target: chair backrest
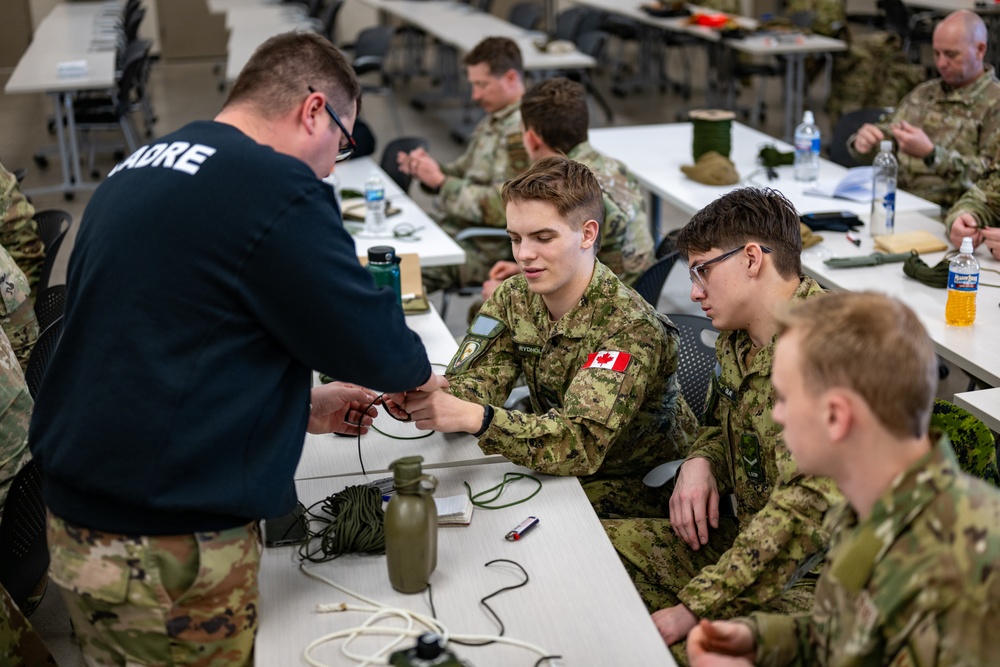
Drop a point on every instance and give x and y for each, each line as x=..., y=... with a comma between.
x=388, y=164
x=592, y=43
x=696, y=359
x=526, y=15
x=971, y=439
x=568, y=23
x=314, y=7
x=364, y=139
x=47, y=343
x=847, y=125
x=329, y=19
x=24, y=554
x=50, y=304
x=132, y=23
x=897, y=17
x=52, y=223
x=371, y=48
x=650, y=283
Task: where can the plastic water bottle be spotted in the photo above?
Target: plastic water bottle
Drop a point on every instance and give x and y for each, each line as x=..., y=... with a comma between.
x=807, y=149
x=963, y=283
x=884, y=170
x=375, y=205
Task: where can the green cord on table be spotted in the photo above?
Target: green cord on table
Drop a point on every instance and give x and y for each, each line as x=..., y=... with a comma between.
x=508, y=478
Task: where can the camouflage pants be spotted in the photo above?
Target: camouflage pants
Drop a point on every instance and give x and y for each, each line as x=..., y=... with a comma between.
x=625, y=499
x=19, y=643
x=661, y=564
x=162, y=600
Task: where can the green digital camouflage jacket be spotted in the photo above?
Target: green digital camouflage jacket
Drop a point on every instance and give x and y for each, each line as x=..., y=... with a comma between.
x=15, y=414
x=470, y=194
x=963, y=123
x=780, y=511
x=17, y=315
x=603, y=382
x=915, y=583
x=18, y=230
x=626, y=239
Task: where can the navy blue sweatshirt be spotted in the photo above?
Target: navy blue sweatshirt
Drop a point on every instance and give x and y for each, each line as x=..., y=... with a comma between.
x=210, y=276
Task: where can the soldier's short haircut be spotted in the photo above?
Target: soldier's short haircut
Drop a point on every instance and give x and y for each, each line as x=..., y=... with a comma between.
x=569, y=186
x=280, y=72
x=556, y=109
x=743, y=216
x=500, y=55
x=873, y=345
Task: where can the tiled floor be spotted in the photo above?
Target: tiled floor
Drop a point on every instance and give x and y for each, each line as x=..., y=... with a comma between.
x=185, y=91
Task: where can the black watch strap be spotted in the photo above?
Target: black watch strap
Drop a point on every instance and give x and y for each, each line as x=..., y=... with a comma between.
x=487, y=420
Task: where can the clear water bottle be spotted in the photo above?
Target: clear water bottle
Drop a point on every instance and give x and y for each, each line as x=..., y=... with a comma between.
x=963, y=283
x=375, y=205
x=884, y=170
x=807, y=149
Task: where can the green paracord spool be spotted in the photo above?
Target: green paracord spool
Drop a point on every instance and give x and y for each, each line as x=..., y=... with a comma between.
x=713, y=131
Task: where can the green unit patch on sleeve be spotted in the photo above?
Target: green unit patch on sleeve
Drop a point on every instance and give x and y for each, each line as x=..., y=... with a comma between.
x=482, y=332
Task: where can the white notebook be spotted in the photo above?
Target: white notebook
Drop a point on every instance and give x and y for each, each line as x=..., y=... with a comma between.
x=856, y=185
x=454, y=510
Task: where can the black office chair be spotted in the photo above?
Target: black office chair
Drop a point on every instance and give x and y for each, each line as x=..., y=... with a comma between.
x=527, y=15
x=650, y=283
x=389, y=165
x=592, y=43
x=847, y=125
x=52, y=228
x=50, y=305
x=364, y=139
x=24, y=554
x=371, y=51
x=328, y=17
x=47, y=343
x=696, y=359
x=52, y=223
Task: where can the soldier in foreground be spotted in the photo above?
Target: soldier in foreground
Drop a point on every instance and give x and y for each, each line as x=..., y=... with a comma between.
x=913, y=572
x=744, y=252
x=556, y=118
x=600, y=362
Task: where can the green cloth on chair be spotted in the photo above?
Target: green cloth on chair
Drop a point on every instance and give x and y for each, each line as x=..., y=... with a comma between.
x=971, y=439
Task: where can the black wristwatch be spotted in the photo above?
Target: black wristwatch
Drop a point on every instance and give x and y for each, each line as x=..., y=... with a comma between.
x=931, y=158
x=487, y=420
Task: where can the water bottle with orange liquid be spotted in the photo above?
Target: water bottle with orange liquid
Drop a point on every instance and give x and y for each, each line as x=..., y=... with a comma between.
x=963, y=282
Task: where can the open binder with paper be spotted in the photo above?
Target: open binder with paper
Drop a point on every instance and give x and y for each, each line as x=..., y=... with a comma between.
x=856, y=185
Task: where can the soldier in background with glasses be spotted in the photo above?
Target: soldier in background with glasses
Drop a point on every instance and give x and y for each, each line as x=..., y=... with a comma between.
x=743, y=250
x=211, y=275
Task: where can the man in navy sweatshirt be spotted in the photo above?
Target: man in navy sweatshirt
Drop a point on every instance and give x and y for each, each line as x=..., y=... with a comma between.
x=211, y=275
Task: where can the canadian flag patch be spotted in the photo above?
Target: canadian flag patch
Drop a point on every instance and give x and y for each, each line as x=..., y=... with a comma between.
x=616, y=361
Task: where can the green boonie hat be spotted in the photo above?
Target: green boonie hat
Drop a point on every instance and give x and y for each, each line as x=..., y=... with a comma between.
x=712, y=169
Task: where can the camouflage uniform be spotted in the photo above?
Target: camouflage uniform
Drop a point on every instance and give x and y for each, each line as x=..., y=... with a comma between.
x=15, y=415
x=150, y=600
x=607, y=426
x=626, y=241
x=915, y=583
x=20, y=645
x=18, y=230
x=779, y=511
x=470, y=196
x=963, y=123
x=17, y=315
x=830, y=16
